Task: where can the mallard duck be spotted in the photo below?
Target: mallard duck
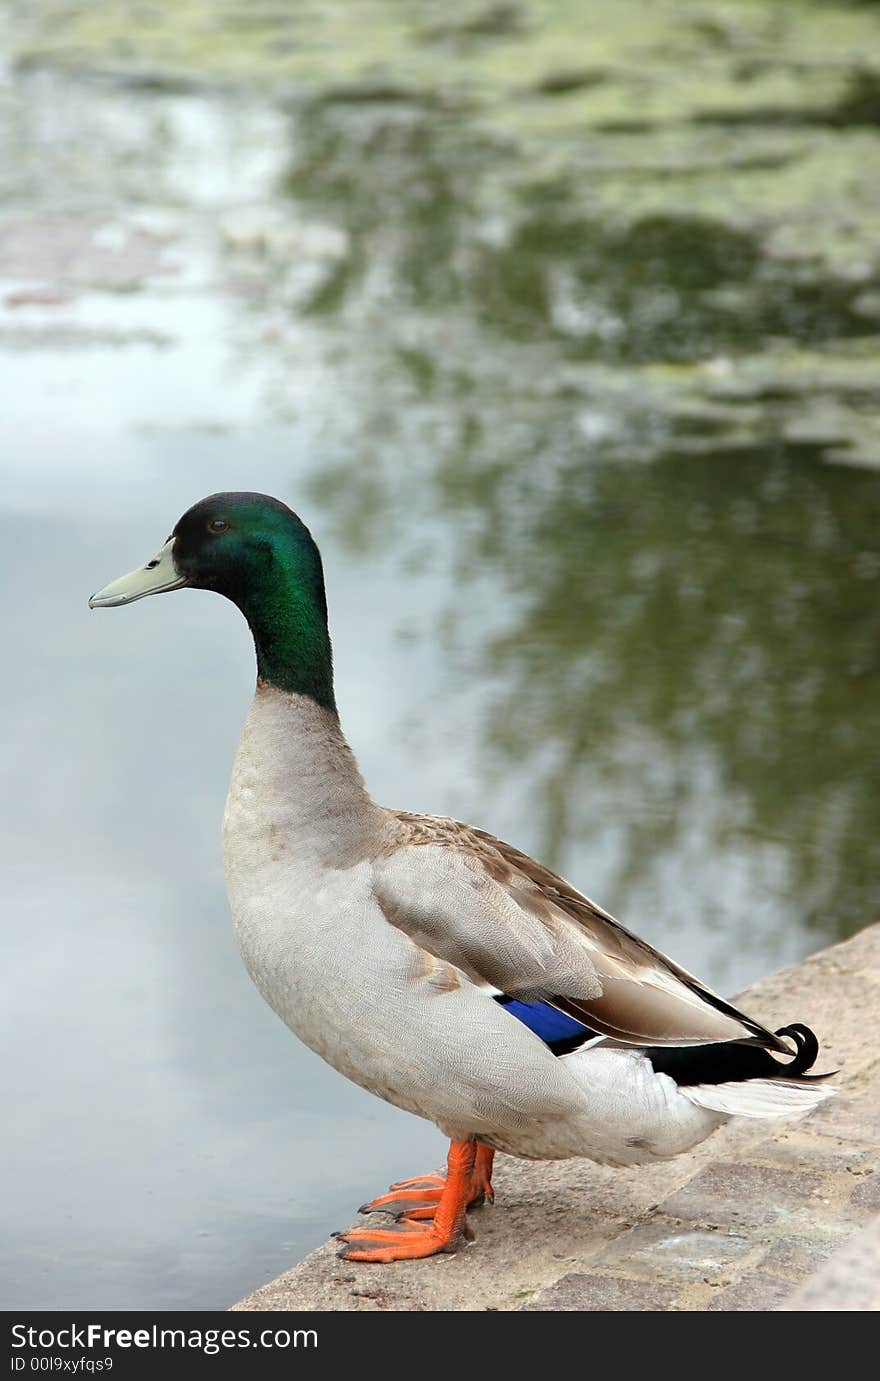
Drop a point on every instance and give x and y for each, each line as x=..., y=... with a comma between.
x=428, y=961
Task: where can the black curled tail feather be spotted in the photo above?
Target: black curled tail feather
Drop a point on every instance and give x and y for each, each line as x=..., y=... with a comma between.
x=807, y=1049
x=736, y=1061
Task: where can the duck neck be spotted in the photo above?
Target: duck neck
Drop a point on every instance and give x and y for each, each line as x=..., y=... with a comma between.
x=278, y=586
x=296, y=781
x=287, y=616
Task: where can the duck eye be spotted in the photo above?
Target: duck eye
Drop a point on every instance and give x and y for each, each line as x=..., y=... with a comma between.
x=218, y=525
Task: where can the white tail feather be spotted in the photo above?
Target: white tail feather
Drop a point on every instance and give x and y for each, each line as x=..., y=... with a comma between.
x=758, y=1097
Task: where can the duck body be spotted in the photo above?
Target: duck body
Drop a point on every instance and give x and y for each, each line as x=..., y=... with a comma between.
x=426, y=960
x=310, y=876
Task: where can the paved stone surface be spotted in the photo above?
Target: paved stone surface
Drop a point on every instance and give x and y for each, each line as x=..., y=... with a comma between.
x=849, y=1282
x=663, y=1248
x=756, y=1292
x=798, y=1257
x=742, y=1196
x=606, y=1293
x=763, y=1216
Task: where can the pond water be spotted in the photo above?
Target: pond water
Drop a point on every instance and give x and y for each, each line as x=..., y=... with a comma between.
x=600, y=513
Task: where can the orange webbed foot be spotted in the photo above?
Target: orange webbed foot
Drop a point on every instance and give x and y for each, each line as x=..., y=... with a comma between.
x=420, y=1182
x=406, y=1242
x=417, y=1198
x=432, y=1211
x=412, y=1203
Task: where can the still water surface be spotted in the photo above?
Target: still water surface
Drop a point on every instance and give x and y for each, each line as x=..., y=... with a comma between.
x=627, y=622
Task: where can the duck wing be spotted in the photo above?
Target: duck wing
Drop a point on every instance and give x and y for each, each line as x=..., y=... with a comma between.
x=517, y=928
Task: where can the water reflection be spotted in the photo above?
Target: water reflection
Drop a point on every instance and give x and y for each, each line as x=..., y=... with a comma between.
x=458, y=223
x=726, y=609
x=687, y=590
x=694, y=627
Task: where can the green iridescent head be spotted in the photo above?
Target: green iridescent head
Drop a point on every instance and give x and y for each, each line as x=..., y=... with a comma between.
x=255, y=551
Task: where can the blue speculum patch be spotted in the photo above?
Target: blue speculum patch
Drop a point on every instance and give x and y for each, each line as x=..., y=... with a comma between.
x=560, y=1032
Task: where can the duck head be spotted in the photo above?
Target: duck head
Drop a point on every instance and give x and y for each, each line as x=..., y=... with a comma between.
x=255, y=551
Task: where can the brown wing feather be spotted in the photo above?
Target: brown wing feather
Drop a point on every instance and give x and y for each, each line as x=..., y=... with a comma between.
x=645, y=997
x=625, y=1009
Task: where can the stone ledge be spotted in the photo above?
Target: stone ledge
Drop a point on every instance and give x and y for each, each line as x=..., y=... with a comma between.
x=747, y=1221
x=850, y=1281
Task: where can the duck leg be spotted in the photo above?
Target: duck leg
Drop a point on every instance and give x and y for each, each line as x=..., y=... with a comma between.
x=482, y=1176
x=410, y=1238
x=417, y=1198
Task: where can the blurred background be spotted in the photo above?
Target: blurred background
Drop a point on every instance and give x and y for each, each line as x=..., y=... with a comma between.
x=559, y=324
